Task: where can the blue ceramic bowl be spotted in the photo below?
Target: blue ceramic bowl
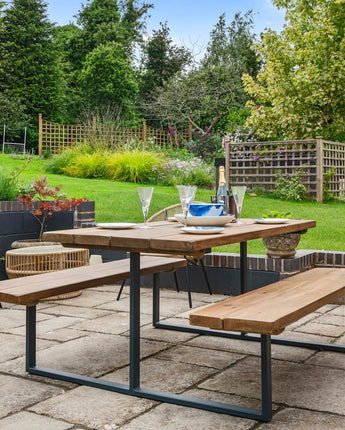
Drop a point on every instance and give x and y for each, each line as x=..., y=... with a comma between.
x=206, y=210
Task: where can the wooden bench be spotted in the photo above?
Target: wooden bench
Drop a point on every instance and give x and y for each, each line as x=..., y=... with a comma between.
x=29, y=290
x=269, y=310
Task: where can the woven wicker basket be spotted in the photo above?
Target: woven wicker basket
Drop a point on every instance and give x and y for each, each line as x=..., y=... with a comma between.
x=37, y=259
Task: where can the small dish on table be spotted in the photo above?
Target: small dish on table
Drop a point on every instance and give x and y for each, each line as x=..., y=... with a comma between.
x=271, y=220
x=116, y=225
x=202, y=230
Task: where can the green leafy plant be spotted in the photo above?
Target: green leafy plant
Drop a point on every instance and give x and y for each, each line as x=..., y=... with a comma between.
x=327, y=195
x=289, y=188
x=277, y=214
x=8, y=186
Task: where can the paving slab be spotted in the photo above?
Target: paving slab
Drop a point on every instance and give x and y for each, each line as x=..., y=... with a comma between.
x=11, y=318
x=115, y=323
x=31, y=421
x=93, y=407
x=13, y=346
x=75, y=311
x=168, y=306
x=323, y=329
x=281, y=352
x=48, y=325
x=297, y=385
x=291, y=419
x=164, y=375
x=90, y=298
x=200, y=356
x=17, y=393
x=92, y=355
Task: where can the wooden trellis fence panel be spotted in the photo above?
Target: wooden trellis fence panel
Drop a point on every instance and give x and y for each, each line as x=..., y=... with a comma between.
x=256, y=164
x=55, y=138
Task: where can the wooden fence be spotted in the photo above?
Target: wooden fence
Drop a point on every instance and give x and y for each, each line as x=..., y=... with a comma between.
x=55, y=138
x=256, y=164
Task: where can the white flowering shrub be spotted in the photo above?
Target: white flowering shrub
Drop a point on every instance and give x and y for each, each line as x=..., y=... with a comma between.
x=186, y=172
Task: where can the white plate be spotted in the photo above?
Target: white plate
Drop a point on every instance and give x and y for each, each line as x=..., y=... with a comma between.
x=202, y=230
x=205, y=220
x=271, y=220
x=115, y=225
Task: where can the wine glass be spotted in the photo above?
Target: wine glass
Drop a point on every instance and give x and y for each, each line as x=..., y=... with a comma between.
x=145, y=195
x=238, y=193
x=187, y=194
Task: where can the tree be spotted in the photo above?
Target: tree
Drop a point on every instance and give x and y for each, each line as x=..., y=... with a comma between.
x=300, y=91
x=107, y=77
x=30, y=71
x=162, y=60
x=209, y=92
x=104, y=21
x=67, y=40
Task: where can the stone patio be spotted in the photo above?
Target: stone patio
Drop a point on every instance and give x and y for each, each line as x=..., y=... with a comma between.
x=89, y=334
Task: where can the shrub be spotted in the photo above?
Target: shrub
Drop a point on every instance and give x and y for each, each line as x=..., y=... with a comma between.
x=134, y=166
x=207, y=149
x=59, y=162
x=87, y=166
x=289, y=188
x=186, y=172
x=9, y=189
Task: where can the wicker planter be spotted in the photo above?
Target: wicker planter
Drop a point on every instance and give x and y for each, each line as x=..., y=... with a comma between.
x=282, y=246
x=33, y=260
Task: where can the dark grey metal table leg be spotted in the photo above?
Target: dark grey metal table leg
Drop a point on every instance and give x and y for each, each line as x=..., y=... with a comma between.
x=134, y=322
x=266, y=378
x=243, y=267
x=30, y=337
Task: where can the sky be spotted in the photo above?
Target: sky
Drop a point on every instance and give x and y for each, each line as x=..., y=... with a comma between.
x=190, y=21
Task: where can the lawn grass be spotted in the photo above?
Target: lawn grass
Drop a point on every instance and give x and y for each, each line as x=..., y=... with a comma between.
x=119, y=202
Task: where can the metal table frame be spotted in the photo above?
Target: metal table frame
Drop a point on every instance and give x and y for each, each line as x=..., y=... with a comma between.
x=134, y=388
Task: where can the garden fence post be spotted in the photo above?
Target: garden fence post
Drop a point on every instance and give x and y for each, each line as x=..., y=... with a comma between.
x=144, y=130
x=94, y=127
x=190, y=132
x=319, y=169
x=40, y=134
x=227, y=162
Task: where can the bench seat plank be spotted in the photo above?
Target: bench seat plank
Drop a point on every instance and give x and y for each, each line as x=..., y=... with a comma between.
x=268, y=310
x=31, y=289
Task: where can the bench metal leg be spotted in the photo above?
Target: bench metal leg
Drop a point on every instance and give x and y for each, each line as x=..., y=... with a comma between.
x=30, y=337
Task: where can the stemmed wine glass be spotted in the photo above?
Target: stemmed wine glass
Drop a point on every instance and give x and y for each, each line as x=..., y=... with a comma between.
x=145, y=195
x=238, y=193
x=187, y=194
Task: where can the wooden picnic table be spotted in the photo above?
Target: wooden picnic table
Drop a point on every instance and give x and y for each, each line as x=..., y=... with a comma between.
x=165, y=237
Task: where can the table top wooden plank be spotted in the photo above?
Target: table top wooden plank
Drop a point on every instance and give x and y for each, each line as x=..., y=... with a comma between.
x=165, y=236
